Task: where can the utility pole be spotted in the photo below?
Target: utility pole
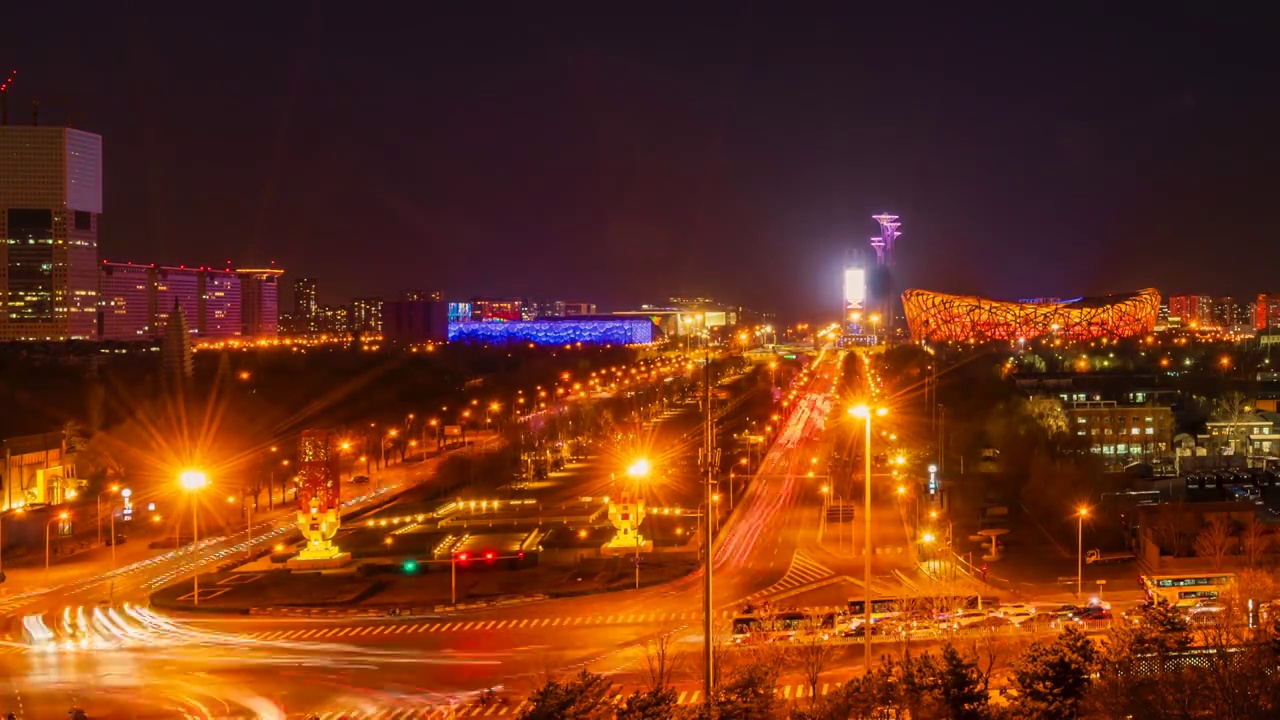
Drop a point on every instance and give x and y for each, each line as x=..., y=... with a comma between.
x=708, y=681
x=942, y=421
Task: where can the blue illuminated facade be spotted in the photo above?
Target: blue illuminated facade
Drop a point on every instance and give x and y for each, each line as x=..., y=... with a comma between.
x=610, y=331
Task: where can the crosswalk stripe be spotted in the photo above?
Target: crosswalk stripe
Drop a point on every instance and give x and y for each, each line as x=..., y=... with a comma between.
x=680, y=699
x=344, y=632
x=557, y=622
x=504, y=624
x=522, y=623
x=491, y=624
x=363, y=631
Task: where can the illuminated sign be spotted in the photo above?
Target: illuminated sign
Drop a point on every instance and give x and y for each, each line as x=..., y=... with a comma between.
x=855, y=289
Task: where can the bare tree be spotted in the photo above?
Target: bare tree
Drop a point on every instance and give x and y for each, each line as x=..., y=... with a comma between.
x=1255, y=541
x=660, y=661
x=1214, y=541
x=812, y=651
x=1235, y=409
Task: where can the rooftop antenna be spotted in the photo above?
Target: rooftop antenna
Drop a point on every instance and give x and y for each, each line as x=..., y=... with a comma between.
x=4, y=97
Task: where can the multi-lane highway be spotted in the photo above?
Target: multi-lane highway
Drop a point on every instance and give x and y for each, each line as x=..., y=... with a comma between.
x=133, y=660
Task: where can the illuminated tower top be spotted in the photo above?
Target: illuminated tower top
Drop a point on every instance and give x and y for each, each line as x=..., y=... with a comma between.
x=883, y=245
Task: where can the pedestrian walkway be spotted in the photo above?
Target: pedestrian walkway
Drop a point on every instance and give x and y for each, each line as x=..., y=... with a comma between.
x=803, y=571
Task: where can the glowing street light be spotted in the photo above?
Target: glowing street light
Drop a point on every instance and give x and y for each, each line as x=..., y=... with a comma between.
x=866, y=412
x=639, y=468
x=61, y=516
x=1081, y=512
x=192, y=481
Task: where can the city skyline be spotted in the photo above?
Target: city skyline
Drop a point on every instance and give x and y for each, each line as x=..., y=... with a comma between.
x=742, y=165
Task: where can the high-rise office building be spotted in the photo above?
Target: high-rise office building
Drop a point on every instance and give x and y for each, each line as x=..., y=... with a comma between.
x=125, y=297
x=174, y=287
x=260, y=302
x=366, y=315
x=137, y=301
x=1191, y=311
x=304, y=298
x=50, y=203
x=422, y=295
x=414, y=321
x=220, y=304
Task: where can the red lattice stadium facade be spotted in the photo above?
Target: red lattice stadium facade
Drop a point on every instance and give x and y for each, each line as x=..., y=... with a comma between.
x=938, y=317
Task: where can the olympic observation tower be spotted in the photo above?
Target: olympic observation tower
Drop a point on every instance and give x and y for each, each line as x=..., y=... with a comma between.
x=882, y=278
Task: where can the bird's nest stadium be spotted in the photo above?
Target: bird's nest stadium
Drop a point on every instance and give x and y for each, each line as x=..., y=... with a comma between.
x=939, y=317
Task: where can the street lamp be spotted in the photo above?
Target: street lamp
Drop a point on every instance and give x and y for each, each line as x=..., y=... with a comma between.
x=637, y=471
x=192, y=481
x=61, y=516
x=1080, y=515
x=108, y=491
x=865, y=412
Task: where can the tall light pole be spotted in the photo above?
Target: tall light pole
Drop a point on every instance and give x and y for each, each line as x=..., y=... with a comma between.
x=108, y=491
x=708, y=682
x=865, y=413
x=192, y=481
x=637, y=471
x=1083, y=511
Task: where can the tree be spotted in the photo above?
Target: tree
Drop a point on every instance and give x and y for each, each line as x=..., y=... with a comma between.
x=1214, y=541
x=1234, y=409
x=812, y=653
x=1052, y=678
x=660, y=663
x=650, y=705
x=873, y=696
x=585, y=697
x=749, y=694
x=1049, y=414
x=1255, y=541
x=958, y=686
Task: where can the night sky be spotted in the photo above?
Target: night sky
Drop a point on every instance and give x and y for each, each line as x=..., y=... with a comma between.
x=621, y=158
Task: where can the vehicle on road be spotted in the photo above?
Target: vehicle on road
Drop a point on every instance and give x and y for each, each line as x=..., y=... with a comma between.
x=1187, y=589
x=360, y=480
x=1019, y=617
x=755, y=628
x=1097, y=557
x=1015, y=608
x=1091, y=613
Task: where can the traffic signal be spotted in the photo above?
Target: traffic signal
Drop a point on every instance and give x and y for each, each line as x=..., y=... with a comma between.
x=409, y=566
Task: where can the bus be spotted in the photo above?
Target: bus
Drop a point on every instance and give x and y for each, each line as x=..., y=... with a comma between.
x=782, y=626
x=899, y=607
x=1186, y=589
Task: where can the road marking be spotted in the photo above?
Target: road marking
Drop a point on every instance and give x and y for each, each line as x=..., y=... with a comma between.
x=401, y=628
x=491, y=624
x=523, y=623
x=557, y=622
x=344, y=632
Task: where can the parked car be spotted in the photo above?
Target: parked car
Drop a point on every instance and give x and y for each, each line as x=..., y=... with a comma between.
x=117, y=540
x=360, y=480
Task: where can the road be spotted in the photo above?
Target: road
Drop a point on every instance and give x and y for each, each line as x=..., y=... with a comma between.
x=134, y=661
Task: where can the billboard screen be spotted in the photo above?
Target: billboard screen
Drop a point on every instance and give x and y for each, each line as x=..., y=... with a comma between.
x=855, y=288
